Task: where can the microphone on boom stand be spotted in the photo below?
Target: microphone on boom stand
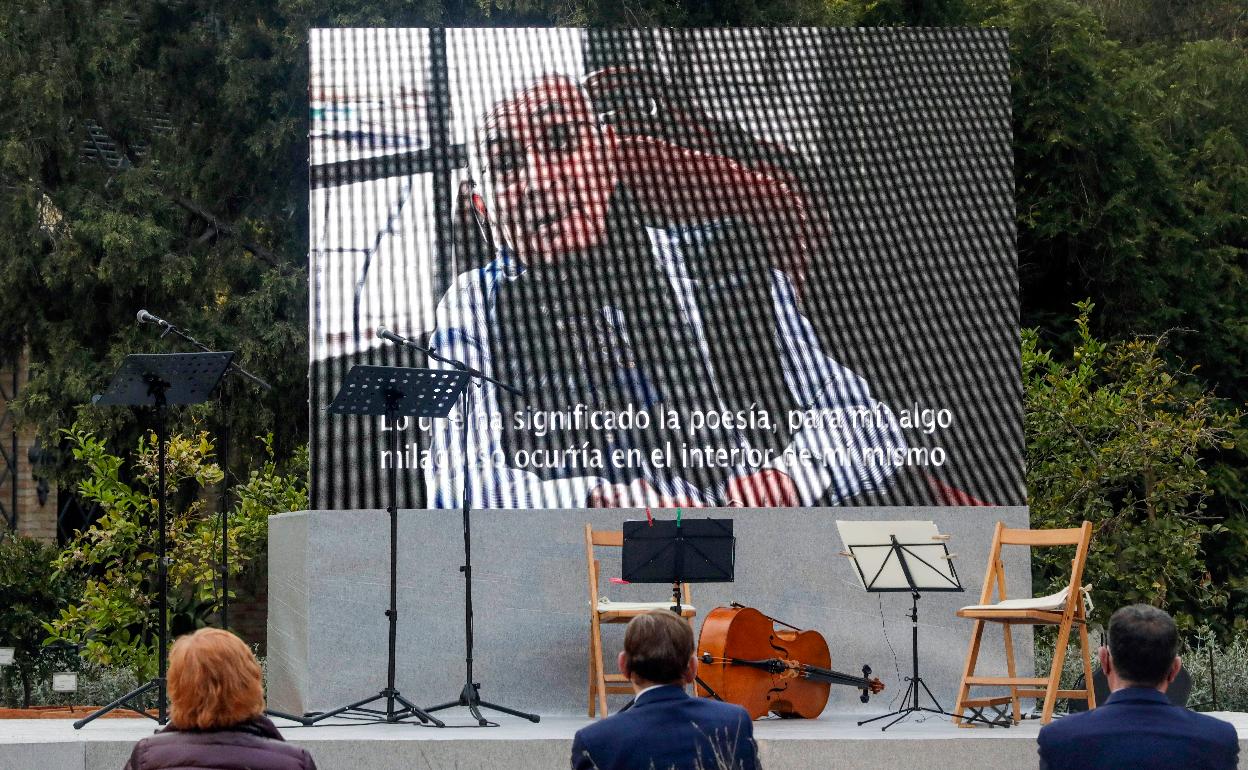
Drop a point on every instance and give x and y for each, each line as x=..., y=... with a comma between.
x=145, y=317
x=386, y=334
x=407, y=342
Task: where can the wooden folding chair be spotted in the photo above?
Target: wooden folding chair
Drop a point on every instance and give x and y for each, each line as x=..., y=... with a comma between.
x=602, y=610
x=1063, y=609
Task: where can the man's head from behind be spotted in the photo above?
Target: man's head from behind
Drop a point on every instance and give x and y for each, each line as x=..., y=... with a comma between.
x=658, y=649
x=551, y=170
x=1143, y=646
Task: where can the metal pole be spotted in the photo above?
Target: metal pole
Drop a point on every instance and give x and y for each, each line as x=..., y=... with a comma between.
x=163, y=567
x=14, y=477
x=225, y=524
x=467, y=568
x=393, y=612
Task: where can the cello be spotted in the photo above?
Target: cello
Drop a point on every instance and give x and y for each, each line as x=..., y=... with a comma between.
x=745, y=659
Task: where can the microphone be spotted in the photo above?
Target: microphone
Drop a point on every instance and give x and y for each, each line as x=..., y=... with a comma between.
x=382, y=332
x=385, y=334
x=144, y=317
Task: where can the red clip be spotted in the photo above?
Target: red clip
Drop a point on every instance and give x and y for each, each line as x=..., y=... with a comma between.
x=618, y=581
x=649, y=518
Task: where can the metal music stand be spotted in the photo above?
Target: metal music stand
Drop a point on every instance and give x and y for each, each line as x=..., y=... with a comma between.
x=159, y=381
x=677, y=552
x=902, y=556
x=394, y=392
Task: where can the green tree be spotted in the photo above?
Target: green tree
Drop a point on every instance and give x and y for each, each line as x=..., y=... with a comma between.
x=912, y=13
x=1115, y=436
x=31, y=594
x=1139, y=21
x=154, y=155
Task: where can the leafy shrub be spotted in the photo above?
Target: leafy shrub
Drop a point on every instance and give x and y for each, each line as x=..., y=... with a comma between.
x=115, y=622
x=1230, y=672
x=97, y=685
x=1230, y=667
x=31, y=594
x=1115, y=436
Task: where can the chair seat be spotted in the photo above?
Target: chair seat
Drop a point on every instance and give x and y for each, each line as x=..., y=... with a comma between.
x=1021, y=617
x=1038, y=610
x=609, y=610
x=1052, y=603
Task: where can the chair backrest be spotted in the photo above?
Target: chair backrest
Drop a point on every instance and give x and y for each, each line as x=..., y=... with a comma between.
x=608, y=538
x=1080, y=537
x=602, y=537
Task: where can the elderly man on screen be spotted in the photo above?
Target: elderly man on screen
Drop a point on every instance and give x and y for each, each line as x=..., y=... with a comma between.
x=660, y=365
x=1137, y=727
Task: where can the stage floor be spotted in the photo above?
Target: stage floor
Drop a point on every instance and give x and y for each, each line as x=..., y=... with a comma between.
x=833, y=740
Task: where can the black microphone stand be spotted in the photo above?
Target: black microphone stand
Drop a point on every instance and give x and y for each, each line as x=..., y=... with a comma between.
x=470, y=695
x=224, y=453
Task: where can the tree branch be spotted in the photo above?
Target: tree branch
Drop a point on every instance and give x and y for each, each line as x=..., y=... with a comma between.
x=226, y=229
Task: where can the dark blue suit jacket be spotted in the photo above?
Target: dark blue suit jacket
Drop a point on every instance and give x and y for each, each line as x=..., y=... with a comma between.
x=667, y=728
x=1137, y=728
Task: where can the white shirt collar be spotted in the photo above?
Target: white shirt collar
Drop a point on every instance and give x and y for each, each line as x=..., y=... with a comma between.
x=637, y=697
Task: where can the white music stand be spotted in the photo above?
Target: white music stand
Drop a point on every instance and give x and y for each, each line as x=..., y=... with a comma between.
x=895, y=557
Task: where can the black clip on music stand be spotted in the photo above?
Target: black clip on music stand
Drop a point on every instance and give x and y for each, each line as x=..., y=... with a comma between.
x=159, y=381
x=394, y=392
x=913, y=559
x=677, y=552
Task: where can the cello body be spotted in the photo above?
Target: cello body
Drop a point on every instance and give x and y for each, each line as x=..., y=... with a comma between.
x=731, y=632
x=745, y=659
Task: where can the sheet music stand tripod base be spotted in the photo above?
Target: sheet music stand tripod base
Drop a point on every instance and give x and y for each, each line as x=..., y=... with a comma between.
x=159, y=381
x=394, y=392
x=919, y=564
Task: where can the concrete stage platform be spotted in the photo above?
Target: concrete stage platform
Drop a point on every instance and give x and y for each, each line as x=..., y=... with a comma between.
x=834, y=740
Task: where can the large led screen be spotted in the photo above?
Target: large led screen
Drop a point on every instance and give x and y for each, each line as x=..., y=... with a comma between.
x=701, y=268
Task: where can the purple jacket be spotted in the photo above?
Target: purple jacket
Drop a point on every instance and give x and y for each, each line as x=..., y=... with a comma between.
x=253, y=745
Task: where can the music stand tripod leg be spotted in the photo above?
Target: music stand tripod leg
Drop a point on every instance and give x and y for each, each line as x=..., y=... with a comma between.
x=122, y=702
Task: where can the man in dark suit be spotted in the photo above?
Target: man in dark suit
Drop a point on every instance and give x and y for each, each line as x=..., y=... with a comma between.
x=665, y=728
x=1137, y=727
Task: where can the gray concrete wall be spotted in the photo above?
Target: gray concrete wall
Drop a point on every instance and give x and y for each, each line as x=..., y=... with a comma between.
x=328, y=573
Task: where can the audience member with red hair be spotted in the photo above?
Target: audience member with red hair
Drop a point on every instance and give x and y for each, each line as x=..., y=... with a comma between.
x=216, y=712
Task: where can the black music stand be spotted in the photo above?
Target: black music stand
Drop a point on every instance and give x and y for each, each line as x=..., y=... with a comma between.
x=470, y=694
x=394, y=392
x=159, y=381
x=678, y=552
x=889, y=565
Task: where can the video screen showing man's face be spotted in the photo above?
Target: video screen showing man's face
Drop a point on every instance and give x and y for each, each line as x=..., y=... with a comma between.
x=551, y=169
x=758, y=267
